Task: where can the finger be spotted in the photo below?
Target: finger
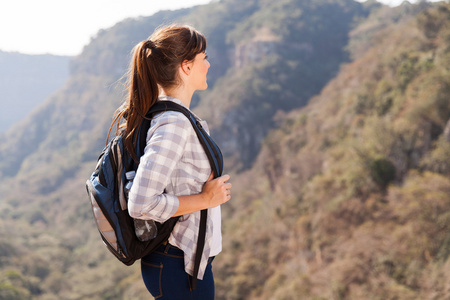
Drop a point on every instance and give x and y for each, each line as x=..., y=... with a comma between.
x=225, y=177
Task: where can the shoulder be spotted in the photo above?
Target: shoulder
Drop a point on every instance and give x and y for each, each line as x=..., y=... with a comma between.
x=171, y=125
x=173, y=118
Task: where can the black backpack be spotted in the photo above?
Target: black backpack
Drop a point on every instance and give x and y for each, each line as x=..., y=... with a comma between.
x=106, y=188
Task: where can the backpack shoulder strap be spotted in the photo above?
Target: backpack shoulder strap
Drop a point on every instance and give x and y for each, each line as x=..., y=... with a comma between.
x=212, y=150
x=214, y=156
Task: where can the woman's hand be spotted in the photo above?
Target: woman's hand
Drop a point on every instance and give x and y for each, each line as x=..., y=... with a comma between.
x=216, y=191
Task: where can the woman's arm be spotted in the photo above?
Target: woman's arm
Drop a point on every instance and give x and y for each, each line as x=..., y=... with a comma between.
x=165, y=146
x=147, y=199
x=215, y=192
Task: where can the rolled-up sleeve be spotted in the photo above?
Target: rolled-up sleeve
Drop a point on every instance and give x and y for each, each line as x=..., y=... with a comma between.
x=166, y=141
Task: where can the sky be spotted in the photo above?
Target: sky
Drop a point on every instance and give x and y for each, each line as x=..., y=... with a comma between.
x=64, y=27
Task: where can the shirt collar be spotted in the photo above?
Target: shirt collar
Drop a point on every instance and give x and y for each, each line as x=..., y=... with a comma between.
x=169, y=98
x=177, y=101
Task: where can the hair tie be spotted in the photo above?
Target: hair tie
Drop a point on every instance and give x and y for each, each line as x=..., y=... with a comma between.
x=149, y=44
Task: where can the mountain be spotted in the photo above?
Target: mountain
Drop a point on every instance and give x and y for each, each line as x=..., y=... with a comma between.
x=279, y=55
x=26, y=81
x=350, y=197
x=333, y=119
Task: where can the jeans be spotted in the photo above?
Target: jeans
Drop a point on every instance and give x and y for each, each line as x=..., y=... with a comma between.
x=165, y=278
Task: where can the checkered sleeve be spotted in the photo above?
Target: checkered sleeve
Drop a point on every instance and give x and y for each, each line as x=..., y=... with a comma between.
x=166, y=142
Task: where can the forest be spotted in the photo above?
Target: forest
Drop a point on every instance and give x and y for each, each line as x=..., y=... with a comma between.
x=334, y=120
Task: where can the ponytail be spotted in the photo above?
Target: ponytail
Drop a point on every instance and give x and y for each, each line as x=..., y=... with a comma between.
x=142, y=94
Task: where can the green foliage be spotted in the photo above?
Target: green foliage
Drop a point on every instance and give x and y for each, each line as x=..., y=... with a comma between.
x=406, y=70
x=438, y=159
x=431, y=21
x=14, y=285
x=382, y=171
x=10, y=292
x=6, y=249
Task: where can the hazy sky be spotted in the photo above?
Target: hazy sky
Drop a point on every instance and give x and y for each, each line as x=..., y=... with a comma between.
x=63, y=27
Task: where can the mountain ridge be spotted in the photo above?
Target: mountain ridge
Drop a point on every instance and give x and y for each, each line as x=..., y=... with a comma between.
x=26, y=81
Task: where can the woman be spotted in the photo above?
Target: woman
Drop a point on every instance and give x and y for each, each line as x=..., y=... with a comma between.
x=174, y=175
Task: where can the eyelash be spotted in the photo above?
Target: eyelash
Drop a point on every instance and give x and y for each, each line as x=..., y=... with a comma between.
x=206, y=56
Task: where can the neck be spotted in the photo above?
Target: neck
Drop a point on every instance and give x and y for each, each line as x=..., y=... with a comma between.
x=180, y=93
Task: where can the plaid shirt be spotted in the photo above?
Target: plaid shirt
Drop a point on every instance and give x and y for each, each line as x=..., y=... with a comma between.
x=175, y=164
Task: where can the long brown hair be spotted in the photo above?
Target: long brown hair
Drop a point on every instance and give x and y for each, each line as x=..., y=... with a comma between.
x=154, y=63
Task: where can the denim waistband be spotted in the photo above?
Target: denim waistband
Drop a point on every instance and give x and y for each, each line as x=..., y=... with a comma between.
x=167, y=248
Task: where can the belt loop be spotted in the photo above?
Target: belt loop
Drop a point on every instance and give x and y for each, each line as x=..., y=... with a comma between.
x=167, y=248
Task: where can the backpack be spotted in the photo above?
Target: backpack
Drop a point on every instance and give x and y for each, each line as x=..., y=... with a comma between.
x=106, y=190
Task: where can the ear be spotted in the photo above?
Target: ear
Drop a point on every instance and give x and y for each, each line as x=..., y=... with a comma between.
x=186, y=67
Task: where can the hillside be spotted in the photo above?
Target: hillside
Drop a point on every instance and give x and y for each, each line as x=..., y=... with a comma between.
x=49, y=247
x=280, y=55
x=349, y=195
x=26, y=81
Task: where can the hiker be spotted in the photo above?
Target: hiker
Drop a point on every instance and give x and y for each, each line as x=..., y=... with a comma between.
x=174, y=177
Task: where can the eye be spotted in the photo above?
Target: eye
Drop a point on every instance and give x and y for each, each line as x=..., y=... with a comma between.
x=206, y=56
